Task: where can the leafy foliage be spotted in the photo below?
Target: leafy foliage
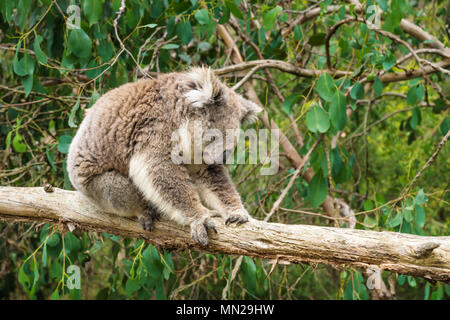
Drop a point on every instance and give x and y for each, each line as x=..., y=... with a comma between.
x=58, y=57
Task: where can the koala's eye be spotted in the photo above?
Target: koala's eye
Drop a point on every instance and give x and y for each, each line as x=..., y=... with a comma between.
x=218, y=96
x=192, y=85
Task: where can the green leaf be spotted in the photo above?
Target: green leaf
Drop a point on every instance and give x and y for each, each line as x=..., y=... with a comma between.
x=8, y=140
x=357, y=92
x=202, y=16
x=419, y=216
x=421, y=198
x=72, y=243
x=427, y=291
x=24, y=279
x=184, y=31
x=415, y=95
x=160, y=294
x=53, y=240
x=44, y=255
x=64, y=143
x=412, y=281
x=166, y=273
x=150, y=25
x=132, y=286
x=389, y=62
x=170, y=46
x=97, y=246
x=393, y=222
x=156, y=8
x=378, y=87
x=317, y=120
x=24, y=7
x=355, y=288
x=338, y=110
x=152, y=262
x=368, y=205
x=18, y=145
x=370, y=222
x=40, y=55
x=7, y=8
x=383, y=5
x=17, y=66
x=317, y=190
x=55, y=295
x=204, y=46
x=325, y=87
x=234, y=9
x=27, y=83
x=249, y=274
x=94, y=97
x=24, y=66
x=79, y=43
x=270, y=17
x=407, y=214
x=93, y=10
x=186, y=58
x=55, y=270
x=225, y=15
x=289, y=102
x=415, y=118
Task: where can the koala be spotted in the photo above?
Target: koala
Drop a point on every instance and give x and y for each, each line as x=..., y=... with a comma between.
x=121, y=157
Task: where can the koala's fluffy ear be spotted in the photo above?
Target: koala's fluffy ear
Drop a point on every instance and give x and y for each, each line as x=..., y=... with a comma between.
x=202, y=87
x=249, y=110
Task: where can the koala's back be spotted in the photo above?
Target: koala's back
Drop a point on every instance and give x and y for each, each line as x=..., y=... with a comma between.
x=116, y=126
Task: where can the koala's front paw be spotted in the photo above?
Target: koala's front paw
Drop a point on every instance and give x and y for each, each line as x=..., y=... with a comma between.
x=199, y=230
x=239, y=216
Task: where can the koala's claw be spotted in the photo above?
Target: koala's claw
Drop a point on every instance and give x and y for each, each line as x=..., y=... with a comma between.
x=238, y=217
x=148, y=218
x=147, y=222
x=199, y=230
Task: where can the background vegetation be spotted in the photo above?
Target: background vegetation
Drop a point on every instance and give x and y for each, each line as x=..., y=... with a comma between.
x=376, y=135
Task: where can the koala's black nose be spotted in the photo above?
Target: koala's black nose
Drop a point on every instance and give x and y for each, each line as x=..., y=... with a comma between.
x=226, y=154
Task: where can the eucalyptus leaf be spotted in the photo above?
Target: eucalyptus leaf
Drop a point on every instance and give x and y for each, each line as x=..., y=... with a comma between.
x=270, y=17
x=317, y=190
x=325, y=87
x=338, y=110
x=317, y=120
x=40, y=55
x=79, y=43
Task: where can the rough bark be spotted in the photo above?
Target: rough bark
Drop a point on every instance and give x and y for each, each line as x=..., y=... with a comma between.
x=427, y=257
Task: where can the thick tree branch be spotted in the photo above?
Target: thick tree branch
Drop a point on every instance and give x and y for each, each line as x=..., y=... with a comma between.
x=427, y=257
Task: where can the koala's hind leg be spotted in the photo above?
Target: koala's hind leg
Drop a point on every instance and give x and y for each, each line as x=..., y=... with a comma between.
x=169, y=187
x=116, y=193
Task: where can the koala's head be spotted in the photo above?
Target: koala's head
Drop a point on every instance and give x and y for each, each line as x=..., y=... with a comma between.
x=218, y=109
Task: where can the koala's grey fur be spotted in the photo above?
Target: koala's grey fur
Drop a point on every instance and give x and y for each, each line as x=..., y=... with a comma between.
x=121, y=155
